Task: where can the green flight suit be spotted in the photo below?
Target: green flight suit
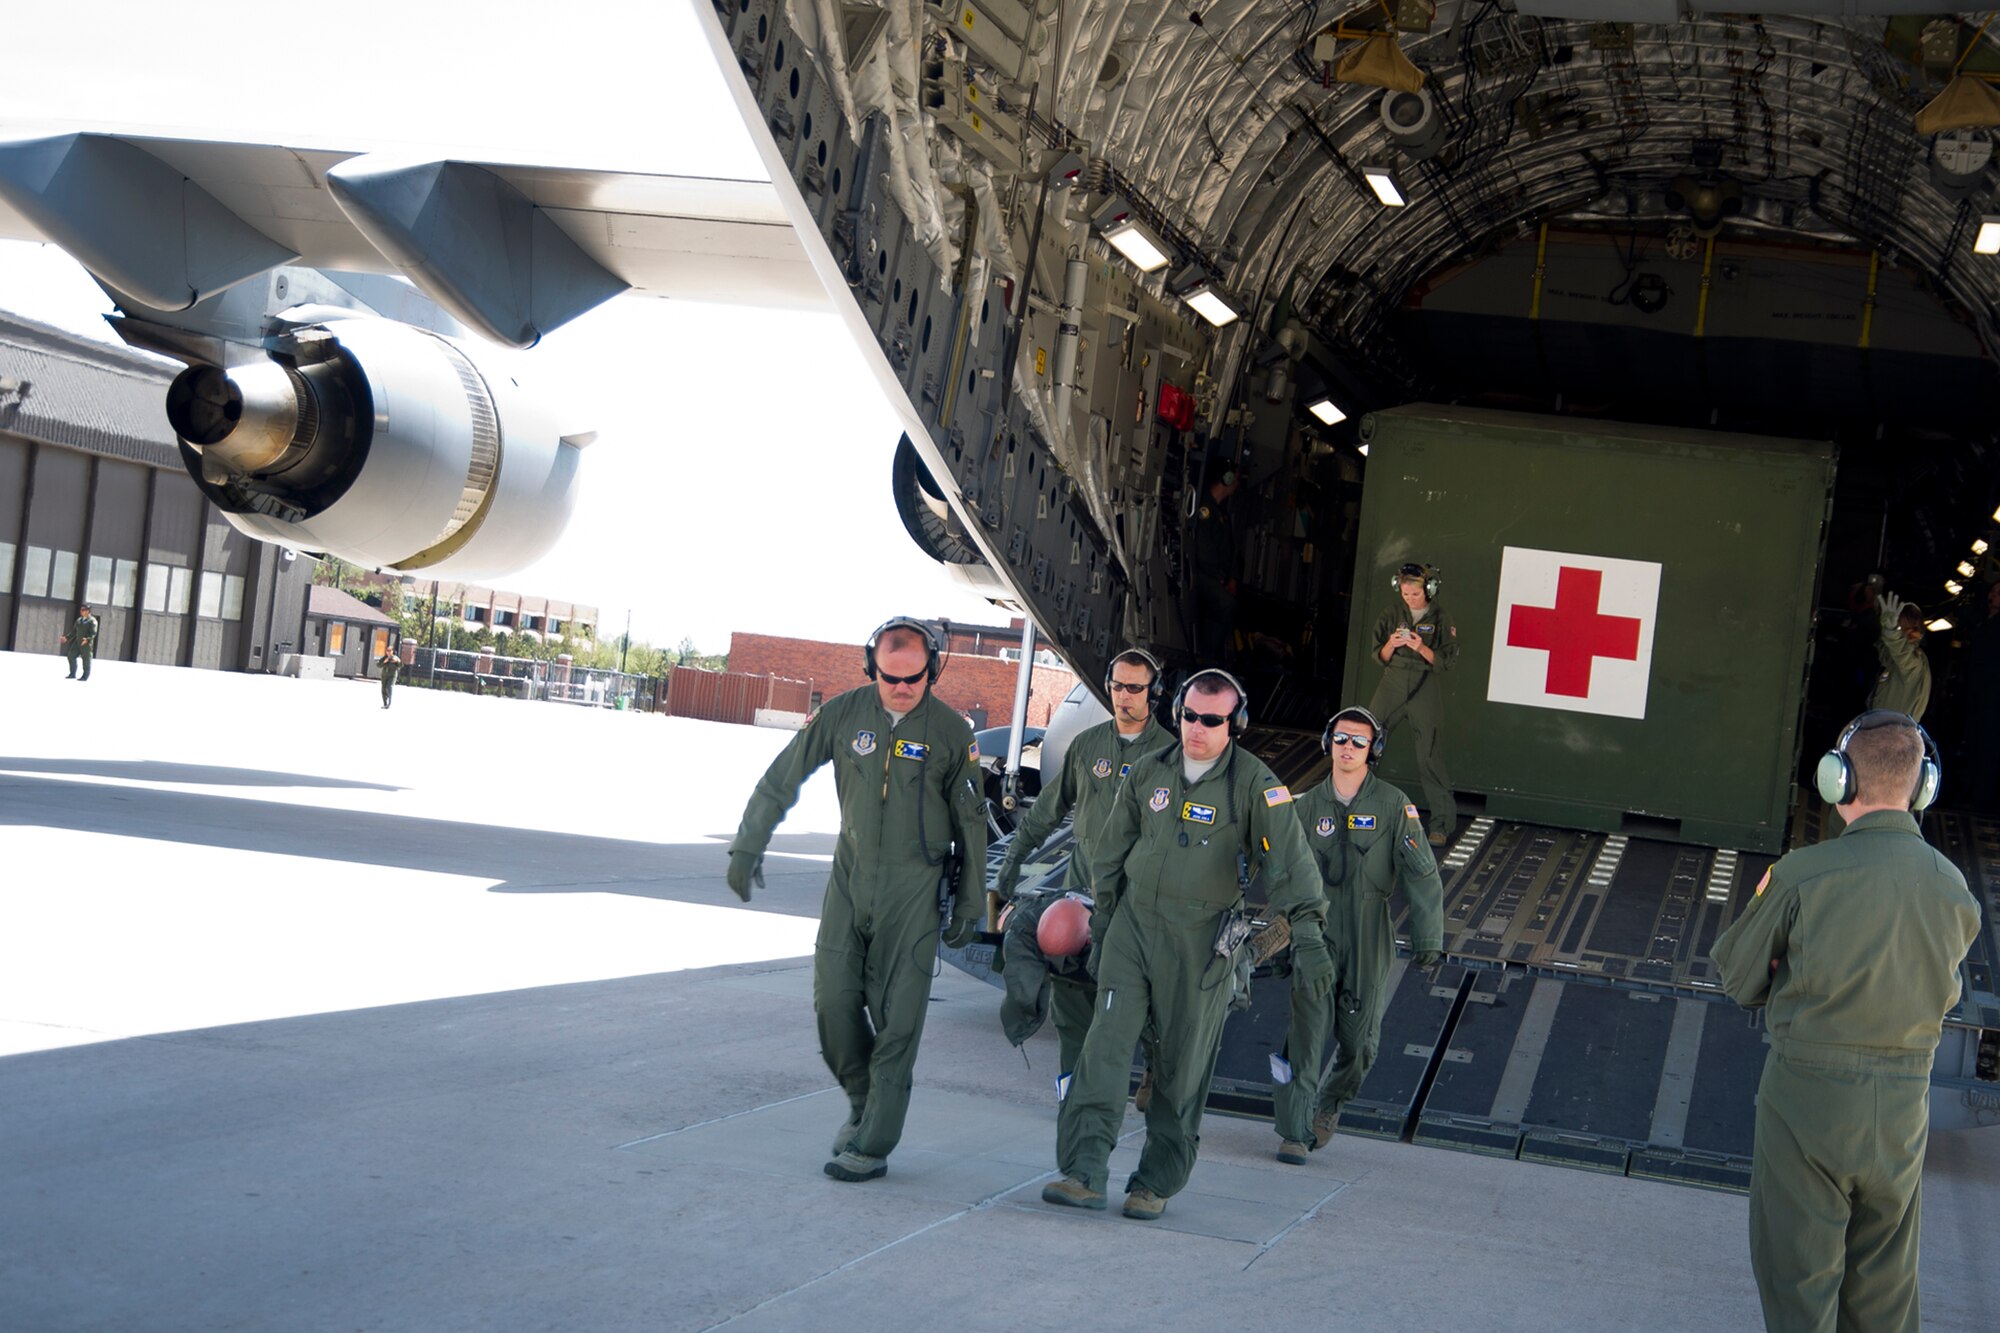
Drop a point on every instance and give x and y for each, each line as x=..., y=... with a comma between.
x=1904, y=685
x=1165, y=873
x=1362, y=850
x=1091, y=770
x=83, y=644
x=1410, y=691
x=388, y=664
x=1866, y=933
x=907, y=793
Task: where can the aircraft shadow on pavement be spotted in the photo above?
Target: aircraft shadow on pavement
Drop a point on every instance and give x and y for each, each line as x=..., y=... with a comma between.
x=522, y=860
x=202, y=775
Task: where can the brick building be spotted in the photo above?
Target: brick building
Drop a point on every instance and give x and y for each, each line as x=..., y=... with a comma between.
x=977, y=680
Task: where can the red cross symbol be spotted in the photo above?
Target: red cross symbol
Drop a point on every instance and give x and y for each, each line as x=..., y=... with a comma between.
x=1572, y=632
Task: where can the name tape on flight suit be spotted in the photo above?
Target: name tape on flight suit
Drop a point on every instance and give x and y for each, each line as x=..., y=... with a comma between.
x=1124, y=769
x=1361, y=821
x=1197, y=814
x=916, y=750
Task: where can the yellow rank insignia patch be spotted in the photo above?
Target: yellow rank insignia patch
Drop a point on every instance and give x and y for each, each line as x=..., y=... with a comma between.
x=1278, y=796
x=1762, y=884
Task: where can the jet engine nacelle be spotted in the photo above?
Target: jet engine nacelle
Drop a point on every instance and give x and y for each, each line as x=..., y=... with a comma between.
x=382, y=444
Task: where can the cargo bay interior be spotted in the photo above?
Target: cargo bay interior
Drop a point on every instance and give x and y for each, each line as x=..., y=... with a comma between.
x=1106, y=253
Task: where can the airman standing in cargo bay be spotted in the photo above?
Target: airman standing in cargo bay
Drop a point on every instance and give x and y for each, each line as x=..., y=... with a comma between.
x=1172, y=859
x=1416, y=641
x=1852, y=947
x=1366, y=839
x=1904, y=684
x=911, y=858
x=1091, y=770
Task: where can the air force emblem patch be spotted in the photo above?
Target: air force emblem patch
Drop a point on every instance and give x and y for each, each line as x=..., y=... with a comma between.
x=1197, y=814
x=916, y=750
x=1102, y=768
x=864, y=742
x=1361, y=821
x=1325, y=827
x=1161, y=796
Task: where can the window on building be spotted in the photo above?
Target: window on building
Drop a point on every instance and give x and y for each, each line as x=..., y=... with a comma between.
x=62, y=576
x=232, y=597
x=35, y=572
x=379, y=644
x=97, y=582
x=555, y=627
x=156, y=586
x=817, y=699
x=502, y=619
x=124, y=582
x=177, y=593
x=210, y=603
x=6, y=564
x=475, y=615
x=336, y=638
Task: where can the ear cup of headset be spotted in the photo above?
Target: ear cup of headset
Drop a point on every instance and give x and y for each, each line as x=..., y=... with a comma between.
x=1834, y=778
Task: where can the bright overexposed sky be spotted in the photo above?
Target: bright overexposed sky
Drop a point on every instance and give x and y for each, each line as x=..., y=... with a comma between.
x=741, y=475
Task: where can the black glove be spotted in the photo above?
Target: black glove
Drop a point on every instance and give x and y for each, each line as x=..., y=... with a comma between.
x=1426, y=960
x=1009, y=876
x=960, y=932
x=743, y=868
x=1312, y=968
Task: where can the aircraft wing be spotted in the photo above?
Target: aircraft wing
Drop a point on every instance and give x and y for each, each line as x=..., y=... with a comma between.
x=512, y=250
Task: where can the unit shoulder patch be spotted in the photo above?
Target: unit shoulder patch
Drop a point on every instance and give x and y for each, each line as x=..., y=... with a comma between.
x=1326, y=826
x=1102, y=768
x=1161, y=795
x=1277, y=796
x=864, y=742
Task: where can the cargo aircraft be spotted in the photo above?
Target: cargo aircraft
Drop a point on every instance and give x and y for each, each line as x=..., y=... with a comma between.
x=1652, y=328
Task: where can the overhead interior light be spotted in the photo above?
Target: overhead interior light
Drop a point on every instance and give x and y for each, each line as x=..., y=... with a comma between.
x=1132, y=239
x=1996, y=516
x=1979, y=546
x=1988, y=241
x=1940, y=625
x=1212, y=305
x=1954, y=587
x=1118, y=222
x=1965, y=567
x=1363, y=447
x=1328, y=411
x=1387, y=188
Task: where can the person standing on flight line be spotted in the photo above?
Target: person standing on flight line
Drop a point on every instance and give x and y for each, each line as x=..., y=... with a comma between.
x=1093, y=766
x=1173, y=857
x=1852, y=948
x=1366, y=840
x=80, y=644
x=911, y=816
x=1415, y=641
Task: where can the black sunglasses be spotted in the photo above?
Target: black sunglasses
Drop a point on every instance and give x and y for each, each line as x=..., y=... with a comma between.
x=901, y=680
x=1120, y=687
x=1349, y=738
x=1205, y=719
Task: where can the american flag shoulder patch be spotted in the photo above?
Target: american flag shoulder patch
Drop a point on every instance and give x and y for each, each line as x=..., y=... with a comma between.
x=1277, y=796
x=1410, y=812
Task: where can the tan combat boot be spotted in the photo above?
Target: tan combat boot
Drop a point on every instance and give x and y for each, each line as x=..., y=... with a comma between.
x=1143, y=1204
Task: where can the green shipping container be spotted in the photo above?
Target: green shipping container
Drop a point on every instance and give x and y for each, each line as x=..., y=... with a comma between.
x=1634, y=609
